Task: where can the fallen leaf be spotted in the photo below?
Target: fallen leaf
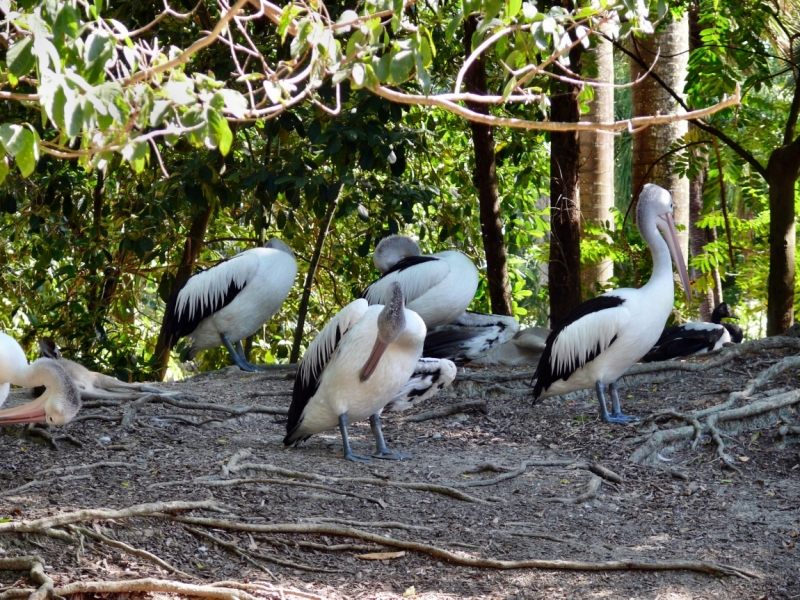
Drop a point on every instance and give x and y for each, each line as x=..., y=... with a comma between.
x=744, y=458
x=410, y=592
x=222, y=441
x=125, y=484
x=381, y=555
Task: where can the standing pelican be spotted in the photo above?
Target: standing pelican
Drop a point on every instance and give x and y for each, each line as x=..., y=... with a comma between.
x=439, y=287
x=596, y=342
x=353, y=368
x=231, y=300
x=697, y=337
x=60, y=402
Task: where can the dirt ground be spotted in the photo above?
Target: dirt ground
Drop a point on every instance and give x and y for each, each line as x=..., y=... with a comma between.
x=292, y=517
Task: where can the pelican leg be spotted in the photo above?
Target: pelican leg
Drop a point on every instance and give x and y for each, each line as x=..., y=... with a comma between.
x=348, y=454
x=381, y=450
x=617, y=414
x=238, y=359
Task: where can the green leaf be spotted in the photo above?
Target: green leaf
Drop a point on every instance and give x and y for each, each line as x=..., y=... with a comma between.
x=97, y=52
x=508, y=89
x=20, y=58
x=4, y=169
x=73, y=116
x=512, y=8
x=401, y=66
x=453, y=25
x=220, y=132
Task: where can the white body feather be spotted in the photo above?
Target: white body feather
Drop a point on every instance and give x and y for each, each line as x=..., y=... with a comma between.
x=267, y=274
x=340, y=389
x=439, y=291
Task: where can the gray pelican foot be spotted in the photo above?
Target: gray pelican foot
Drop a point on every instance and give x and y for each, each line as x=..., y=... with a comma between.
x=381, y=451
x=238, y=357
x=348, y=453
x=617, y=416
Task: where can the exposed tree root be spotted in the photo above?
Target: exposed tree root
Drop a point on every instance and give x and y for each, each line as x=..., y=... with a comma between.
x=128, y=549
x=265, y=480
x=233, y=466
x=446, y=411
x=591, y=492
x=90, y=514
x=38, y=482
x=379, y=524
x=491, y=563
x=594, y=467
x=35, y=567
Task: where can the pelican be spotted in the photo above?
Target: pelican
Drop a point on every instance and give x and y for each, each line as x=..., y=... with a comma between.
x=439, y=287
x=525, y=348
x=60, y=402
x=231, y=300
x=697, y=337
x=596, y=342
x=90, y=383
x=359, y=361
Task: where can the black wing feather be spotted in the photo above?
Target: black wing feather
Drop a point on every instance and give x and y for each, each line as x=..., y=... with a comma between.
x=679, y=341
x=177, y=327
x=400, y=265
x=545, y=375
x=302, y=392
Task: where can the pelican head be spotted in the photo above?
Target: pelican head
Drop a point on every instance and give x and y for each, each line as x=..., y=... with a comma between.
x=655, y=208
x=391, y=323
x=392, y=249
x=277, y=244
x=59, y=403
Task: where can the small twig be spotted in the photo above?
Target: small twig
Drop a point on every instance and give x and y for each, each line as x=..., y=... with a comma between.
x=381, y=524
x=38, y=482
x=446, y=411
x=591, y=492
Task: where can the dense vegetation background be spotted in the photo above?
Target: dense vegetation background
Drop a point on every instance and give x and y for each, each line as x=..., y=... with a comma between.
x=95, y=230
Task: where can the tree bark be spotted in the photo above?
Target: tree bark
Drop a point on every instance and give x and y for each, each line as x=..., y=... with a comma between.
x=649, y=98
x=782, y=173
x=486, y=182
x=191, y=250
x=597, y=163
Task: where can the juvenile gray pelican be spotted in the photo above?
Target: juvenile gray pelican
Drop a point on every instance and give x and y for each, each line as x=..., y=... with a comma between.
x=696, y=337
x=60, y=401
x=231, y=300
x=596, y=342
x=353, y=368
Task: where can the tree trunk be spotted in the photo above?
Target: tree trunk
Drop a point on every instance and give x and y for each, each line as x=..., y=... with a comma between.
x=782, y=173
x=564, y=272
x=650, y=98
x=486, y=182
x=191, y=250
x=597, y=163
x=302, y=310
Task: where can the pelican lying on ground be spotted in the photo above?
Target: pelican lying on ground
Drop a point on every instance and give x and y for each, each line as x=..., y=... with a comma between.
x=353, y=368
x=696, y=337
x=61, y=399
x=439, y=287
x=93, y=385
x=231, y=300
x=596, y=342
x=525, y=348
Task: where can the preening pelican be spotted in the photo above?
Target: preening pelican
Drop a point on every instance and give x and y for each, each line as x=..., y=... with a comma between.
x=359, y=361
x=231, y=300
x=696, y=337
x=439, y=287
x=60, y=402
x=93, y=385
x=595, y=343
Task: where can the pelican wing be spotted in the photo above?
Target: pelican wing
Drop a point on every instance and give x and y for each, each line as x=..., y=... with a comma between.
x=430, y=375
x=415, y=274
x=579, y=338
x=316, y=358
x=684, y=340
x=469, y=337
x=207, y=292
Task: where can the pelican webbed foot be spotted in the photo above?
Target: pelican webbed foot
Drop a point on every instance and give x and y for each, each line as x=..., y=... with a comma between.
x=616, y=416
x=348, y=453
x=238, y=355
x=381, y=451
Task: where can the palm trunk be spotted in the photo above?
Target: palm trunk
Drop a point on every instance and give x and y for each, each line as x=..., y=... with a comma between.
x=597, y=168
